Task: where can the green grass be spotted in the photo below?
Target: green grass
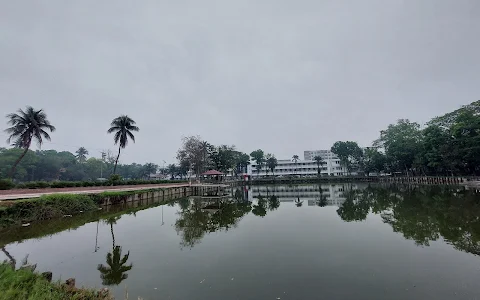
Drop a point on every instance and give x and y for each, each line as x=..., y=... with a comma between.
x=6, y=184
x=44, y=208
x=25, y=284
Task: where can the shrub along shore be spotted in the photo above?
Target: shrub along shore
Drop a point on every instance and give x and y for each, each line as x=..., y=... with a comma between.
x=7, y=184
x=25, y=283
x=18, y=212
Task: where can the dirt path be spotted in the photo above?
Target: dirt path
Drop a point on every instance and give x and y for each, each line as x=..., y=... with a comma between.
x=34, y=193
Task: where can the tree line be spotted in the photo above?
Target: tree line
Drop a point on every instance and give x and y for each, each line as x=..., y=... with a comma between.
x=50, y=165
x=446, y=145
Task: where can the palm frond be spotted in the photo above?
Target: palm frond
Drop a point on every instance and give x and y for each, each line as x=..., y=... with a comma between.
x=131, y=136
x=117, y=136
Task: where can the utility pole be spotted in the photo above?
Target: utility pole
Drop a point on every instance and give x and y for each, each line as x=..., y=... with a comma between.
x=163, y=169
x=104, y=155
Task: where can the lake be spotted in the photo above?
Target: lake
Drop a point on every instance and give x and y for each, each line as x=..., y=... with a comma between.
x=342, y=241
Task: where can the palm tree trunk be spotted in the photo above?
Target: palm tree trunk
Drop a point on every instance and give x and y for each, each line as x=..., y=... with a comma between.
x=14, y=167
x=113, y=236
x=116, y=161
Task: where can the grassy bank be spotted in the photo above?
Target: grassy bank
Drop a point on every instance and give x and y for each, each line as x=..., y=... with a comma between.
x=50, y=227
x=26, y=284
x=44, y=208
x=59, y=205
x=6, y=184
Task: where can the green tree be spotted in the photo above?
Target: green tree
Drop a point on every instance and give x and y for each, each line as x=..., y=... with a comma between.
x=93, y=168
x=172, y=170
x=223, y=158
x=434, y=156
x=123, y=127
x=373, y=161
x=320, y=162
x=148, y=169
x=26, y=169
x=26, y=126
x=349, y=153
x=81, y=155
x=196, y=153
x=465, y=134
x=271, y=163
x=259, y=157
x=242, y=161
x=402, y=142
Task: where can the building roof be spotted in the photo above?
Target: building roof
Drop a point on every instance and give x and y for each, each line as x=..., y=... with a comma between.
x=213, y=172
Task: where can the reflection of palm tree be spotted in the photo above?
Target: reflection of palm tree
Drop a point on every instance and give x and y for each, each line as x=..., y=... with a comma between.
x=111, y=221
x=273, y=203
x=114, y=272
x=322, y=199
x=13, y=262
x=298, y=202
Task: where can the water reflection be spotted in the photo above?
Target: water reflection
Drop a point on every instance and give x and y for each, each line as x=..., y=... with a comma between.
x=421, y=214
x=342, y=234
x=114, y=272
x=200, y=216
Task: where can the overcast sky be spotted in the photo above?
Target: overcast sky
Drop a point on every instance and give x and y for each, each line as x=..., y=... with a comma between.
x=283, y=76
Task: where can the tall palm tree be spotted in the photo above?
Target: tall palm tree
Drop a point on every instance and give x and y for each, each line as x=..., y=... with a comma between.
x=320, y=162
x=123, y=127
x=81, y=155
x=295, y=160
x=26, y=126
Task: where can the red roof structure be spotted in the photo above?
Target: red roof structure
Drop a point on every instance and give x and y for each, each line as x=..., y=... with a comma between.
x=213, y=173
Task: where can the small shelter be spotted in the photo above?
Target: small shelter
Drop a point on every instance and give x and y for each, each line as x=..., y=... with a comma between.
x=213, y=175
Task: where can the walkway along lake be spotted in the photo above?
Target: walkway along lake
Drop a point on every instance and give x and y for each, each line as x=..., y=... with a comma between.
x=327, y=241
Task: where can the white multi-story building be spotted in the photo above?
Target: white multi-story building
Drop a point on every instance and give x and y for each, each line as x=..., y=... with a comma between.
x=306, y=167
x=325, y=154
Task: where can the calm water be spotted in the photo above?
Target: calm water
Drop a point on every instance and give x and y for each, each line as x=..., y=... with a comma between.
x=283, y=242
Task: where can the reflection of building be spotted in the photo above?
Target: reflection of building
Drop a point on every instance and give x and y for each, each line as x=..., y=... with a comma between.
x=332, y=193
x=287, y=167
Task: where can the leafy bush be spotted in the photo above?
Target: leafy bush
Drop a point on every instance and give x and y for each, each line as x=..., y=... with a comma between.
x=21, y=186
x=6, y=184
x=27, y=284
x=37, y=185
x=58, y=184
x=114, y=178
